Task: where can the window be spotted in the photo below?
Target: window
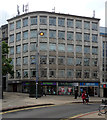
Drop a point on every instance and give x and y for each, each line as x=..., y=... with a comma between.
x=12, y=62
x=87, y=25
x=32, y=46
x=11, y=26
x=79, y=49
x=32, y=59
x=52, y=60
x=18, y=49
x=43, y=72
x=70, y=48
x=25, y=48
x=86, y=49
x=70, y=23
x=61, y=47
x=86, y=61
x=86, y=37
x=79, y=36
x=33, y=33
x=43, y=59
x=18, y=73
x=94, y=74
x=33, y=20
x=43, y=20
x=78, y=61
x=18, y=61
x=70, y=61
x=18, y=36
x=94, y=61
x=45, y=33
x=11, y=38
x=18, y=24
x=61, y=60
x=61, y=35
x=25, y=35
x=33, y=73
x=25, y=73
x=52, y=21
x=95, y=50
x=61, y=22
x=52, y=34
x=94, y=26
x=78, y=73
x=61, y=73
x=25, y=22
x=78, y=24
x=70, y=73
x=43, y=46
x=94, y=38
x=70, y=35
x=25, y=60
x=86, y=74
x=11, y=50
x=52, y=47
x=52, y=73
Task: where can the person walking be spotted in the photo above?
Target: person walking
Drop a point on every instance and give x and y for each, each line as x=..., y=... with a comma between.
x=87, y=97
x=76, y=93
x=83, y=97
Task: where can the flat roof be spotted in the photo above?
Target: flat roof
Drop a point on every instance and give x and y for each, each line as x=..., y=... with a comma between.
x=53, y=13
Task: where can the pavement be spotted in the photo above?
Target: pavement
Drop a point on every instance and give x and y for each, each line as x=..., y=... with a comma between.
x=14, y=100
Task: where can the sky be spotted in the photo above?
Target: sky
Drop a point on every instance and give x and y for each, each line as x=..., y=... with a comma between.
x=8, y=8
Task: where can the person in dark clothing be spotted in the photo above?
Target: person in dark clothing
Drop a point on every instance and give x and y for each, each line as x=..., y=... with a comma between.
x=87, y=97
x=76, y=94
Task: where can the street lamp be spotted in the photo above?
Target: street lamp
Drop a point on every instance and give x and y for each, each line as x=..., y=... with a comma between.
x=37, y=62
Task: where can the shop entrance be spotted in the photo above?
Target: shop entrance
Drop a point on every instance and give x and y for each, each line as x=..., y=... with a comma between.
x=49, y=90
x=14, y=87
x=105, y=92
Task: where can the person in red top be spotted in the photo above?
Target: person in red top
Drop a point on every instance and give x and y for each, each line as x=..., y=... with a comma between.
x=83, y=97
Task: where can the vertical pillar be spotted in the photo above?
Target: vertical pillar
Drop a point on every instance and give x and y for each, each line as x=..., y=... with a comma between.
x=1, y=94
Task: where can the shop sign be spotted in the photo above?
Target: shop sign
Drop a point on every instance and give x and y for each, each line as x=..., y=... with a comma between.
x=67, y=84
x=88, y=84
x=48, y=83
x=26, y=83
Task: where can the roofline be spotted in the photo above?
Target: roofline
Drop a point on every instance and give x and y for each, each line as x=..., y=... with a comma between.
x=51, y=13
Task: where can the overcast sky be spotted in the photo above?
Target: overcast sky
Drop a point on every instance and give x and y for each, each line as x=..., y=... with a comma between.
x=8, y=8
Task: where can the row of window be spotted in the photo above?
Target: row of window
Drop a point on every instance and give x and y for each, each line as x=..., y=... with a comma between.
x=61, y=73
x=52, y=22
x=52, y=47
x=52, y=35
x=61, y=61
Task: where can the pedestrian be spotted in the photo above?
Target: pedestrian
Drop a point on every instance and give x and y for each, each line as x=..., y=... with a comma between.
x=76, y=93
x=83, y=97
x=87, y=97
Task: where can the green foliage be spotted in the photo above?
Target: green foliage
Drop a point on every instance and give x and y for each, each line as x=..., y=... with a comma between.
x=7, y=67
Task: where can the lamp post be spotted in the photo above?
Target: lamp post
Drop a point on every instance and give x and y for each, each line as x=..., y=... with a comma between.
x=37, y=62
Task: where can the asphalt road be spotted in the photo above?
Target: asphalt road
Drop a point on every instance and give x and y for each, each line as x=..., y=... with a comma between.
x=59, y=111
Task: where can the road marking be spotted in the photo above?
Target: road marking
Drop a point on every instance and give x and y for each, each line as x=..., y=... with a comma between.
x=26, y=109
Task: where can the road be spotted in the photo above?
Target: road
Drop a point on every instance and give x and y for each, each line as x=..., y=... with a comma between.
x=57, y=111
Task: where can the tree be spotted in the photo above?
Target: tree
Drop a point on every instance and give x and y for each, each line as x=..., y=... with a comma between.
x=7, y=67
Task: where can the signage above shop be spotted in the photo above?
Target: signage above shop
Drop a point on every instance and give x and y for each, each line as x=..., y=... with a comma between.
x=88, y=84
x=48, y=83
x=67, y=84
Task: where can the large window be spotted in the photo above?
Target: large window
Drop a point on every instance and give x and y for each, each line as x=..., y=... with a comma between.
x=79, y=36
x=25, y=35
x=43, y=72
x=86, y=73
x=78, y=73
x=25, y=73
x=78, y=61
x=52, y=34
x=61, y=47
x=70, y=23
x=11, y=26
x=70, y=73
x=94, y=61
x=43, y=20
x=95, y=50
x=43, y=46
x=86, y=49
x=94, y=74
x=18, y=24
x=94, y=38
x=11, y=50
x=18, y=36
x=52, y=60
x=43, y=59
x=18, y=73
x=79, y=49
x=70, y=61
x=33, y=20
x=86, y=61
x=70, y=48
x=33, y=33
x=61, y=22
x=52, y=47
x=52, y=21
x=11, y=38
x=25, y=22
x=32, y=59
x=25, y=47
x=33, y=72
x=18, y=49
x=94, y=26
x=18, y=61
x=87, y=25
x=78, y=24
x=61, y=73
x=61, y=34
x=52, y=73
x=70, y=35
x=86, y=37
x=32, y=46
x=61, y=60
x=25, y=60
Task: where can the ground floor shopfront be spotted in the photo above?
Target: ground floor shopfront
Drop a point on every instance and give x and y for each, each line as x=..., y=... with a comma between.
x=103, y=91
x=57, y=88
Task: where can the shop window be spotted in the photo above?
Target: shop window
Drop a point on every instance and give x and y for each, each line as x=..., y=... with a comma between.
x=43, y=59
x=52, y=73
x=78, y=73
x=52, y=60
x=43, y=73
